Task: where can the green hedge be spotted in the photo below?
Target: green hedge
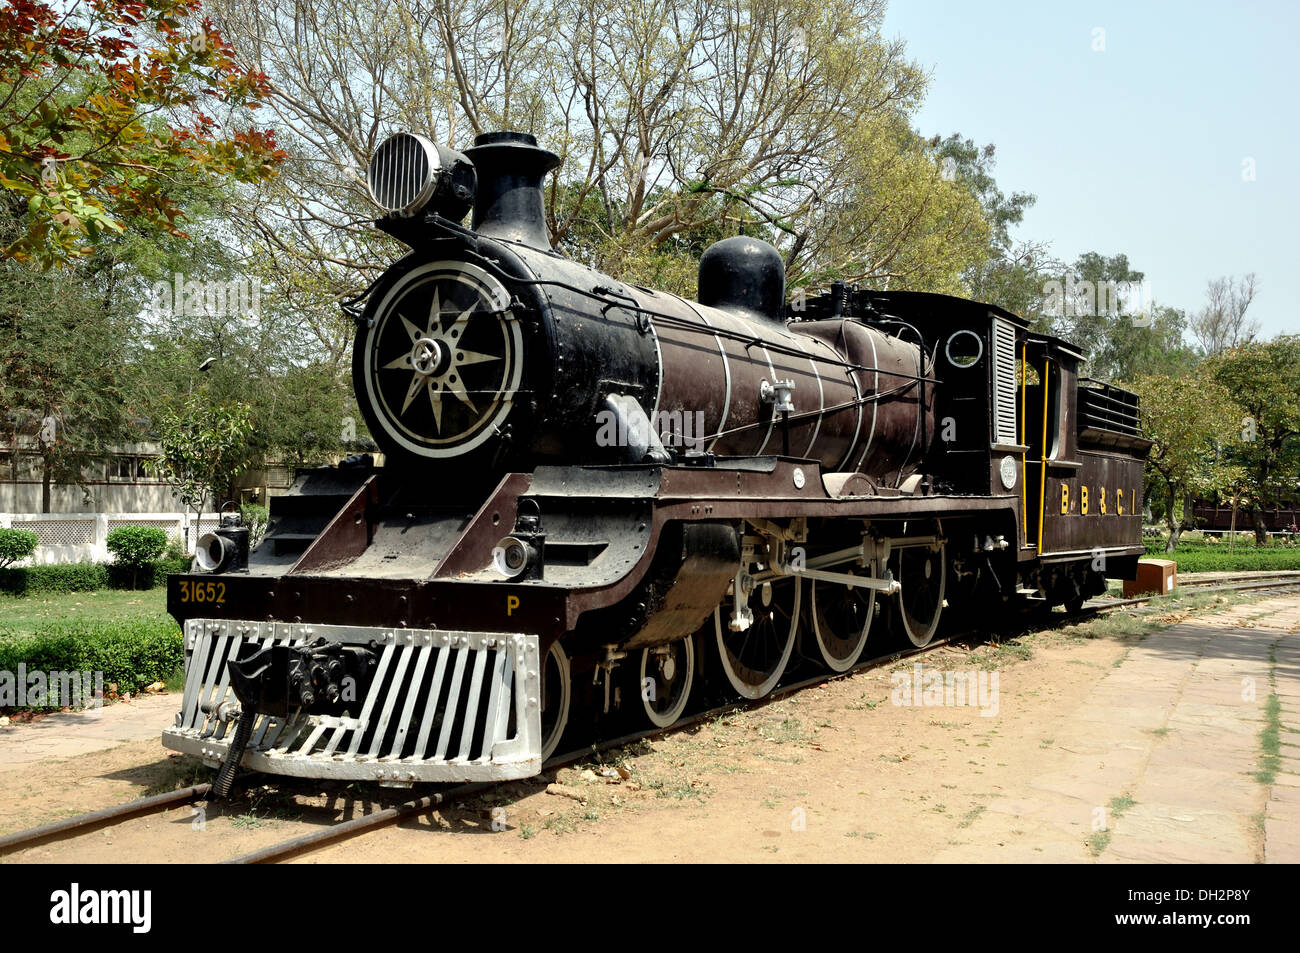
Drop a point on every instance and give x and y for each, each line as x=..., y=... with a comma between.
x=84, y=577
x=1245, y=559
x=129, y=654
x=1199, y=556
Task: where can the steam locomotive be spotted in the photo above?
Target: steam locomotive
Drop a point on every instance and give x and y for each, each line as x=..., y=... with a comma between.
x=592, y=490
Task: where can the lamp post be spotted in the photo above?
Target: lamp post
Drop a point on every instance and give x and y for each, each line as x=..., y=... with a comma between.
x=203, y=368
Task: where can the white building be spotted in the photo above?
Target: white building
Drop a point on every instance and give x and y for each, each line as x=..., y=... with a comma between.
x=118, y=491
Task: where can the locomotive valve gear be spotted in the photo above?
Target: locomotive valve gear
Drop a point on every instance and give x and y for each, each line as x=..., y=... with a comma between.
x=742, y=617
x=606, y=669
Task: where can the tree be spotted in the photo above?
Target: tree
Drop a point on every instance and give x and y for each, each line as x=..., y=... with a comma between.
x=1264, y=379
x=302, y=407
x=68, y=390
x=1101, y=305
x=104, y=110
x=1148, y=343
x=201, y=449
x=1222, y=323
x=1012, y=273
x=61, y=364
x=675, y=119
x=1188, y=420
x=1082, y=308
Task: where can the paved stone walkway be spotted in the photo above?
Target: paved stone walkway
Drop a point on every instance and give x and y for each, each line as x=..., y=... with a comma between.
x=1202, y=689
x=67, y=734
x=1161, y=759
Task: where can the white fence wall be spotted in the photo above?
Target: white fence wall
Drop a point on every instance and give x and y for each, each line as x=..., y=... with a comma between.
x=83, y=537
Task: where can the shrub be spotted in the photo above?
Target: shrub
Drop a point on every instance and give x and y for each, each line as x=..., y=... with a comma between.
x=175, y=549
x=255, y=518
x=70, y=577
x=87, y=577
x=16, y=545
x=167, y=565
x=129, y=654
x=136, y=547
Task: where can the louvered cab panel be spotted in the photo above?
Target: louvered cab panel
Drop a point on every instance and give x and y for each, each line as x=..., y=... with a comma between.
x=1005, y=430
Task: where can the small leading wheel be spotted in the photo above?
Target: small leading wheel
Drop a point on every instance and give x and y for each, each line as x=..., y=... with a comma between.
x=556, y=698
x=922, y=571
x=754, y=660
x=841, y=619
x=665, y=677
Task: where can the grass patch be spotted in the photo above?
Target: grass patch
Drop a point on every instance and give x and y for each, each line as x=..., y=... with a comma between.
x=865, y=704
x=1270, y=759
x=23, y=615
x=1270, y=736
x=1199, y=555
x=561, y=824
x=1119, y=805
x=789, y=730
x=971, y=816
x=129, y=653
x=1098, y=842
x=1015, y=650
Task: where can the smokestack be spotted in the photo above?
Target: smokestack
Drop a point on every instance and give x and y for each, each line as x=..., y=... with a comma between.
x=508, y=202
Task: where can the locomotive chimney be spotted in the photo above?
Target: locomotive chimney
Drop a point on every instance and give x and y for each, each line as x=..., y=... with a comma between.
x=508, y=203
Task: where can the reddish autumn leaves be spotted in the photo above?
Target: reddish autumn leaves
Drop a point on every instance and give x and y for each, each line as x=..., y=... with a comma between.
x=108, y=111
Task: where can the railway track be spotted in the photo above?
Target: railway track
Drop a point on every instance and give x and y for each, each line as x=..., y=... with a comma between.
x=386, y=817
x=1244, y=583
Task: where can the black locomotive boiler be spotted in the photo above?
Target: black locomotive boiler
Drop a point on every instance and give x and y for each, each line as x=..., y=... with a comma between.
x=595, y=488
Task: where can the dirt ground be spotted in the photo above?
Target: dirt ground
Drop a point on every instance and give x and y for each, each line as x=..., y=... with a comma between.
x=833, y=773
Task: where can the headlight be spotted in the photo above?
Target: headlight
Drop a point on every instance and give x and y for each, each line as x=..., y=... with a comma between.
x=408, y=171
x=512, y=557
x=215, y=553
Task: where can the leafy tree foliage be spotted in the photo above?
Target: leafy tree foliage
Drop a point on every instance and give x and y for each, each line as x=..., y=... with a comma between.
x=1189, y=420
x=1011, y=275
x=678, y=121
x=202, y=449
x=61, y=361
x=1264, y=379
x=104, y=107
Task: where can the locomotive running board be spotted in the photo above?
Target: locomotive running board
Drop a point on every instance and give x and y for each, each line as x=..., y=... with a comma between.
x=425, y=680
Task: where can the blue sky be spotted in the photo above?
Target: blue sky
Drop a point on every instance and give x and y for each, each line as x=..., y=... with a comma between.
x=1138, y=148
